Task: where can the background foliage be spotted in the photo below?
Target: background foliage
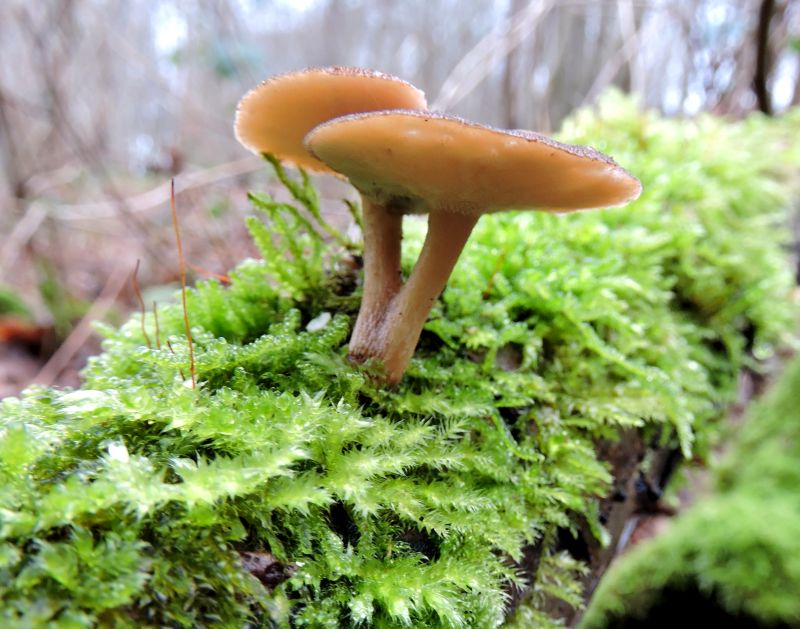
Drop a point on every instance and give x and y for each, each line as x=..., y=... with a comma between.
x=130, y=501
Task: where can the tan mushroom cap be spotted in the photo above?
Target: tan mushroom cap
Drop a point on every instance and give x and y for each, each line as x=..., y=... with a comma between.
x=275, y=116
x=415, y=161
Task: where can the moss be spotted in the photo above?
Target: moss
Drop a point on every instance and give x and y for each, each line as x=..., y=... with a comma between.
x=402, y=507
x=739, y=549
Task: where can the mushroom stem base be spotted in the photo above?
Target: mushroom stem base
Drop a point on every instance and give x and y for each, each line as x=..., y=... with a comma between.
x=383, y=232
x=390, y=332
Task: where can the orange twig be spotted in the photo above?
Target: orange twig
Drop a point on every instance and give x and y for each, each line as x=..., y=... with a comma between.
x=172, y=351
x=222, y=278
x=138, y=293
x=182, y=268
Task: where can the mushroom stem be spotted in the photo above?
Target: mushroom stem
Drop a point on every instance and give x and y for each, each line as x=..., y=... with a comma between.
x=394, y=340
x=444, y=242
x=383, y=232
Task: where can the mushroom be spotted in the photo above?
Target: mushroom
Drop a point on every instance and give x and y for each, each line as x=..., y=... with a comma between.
x=406, y=162
x=275, y=116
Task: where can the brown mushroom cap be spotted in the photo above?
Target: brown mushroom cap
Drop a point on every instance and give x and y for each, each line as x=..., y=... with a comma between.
x=418, y=161
x=275, y=116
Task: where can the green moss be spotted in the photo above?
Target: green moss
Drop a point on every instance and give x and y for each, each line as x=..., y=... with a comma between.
x=397, y=507
x=740, y=548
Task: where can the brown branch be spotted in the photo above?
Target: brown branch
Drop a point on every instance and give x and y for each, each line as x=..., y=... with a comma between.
x=137, y=291
x=158, y=331
x=762, y=56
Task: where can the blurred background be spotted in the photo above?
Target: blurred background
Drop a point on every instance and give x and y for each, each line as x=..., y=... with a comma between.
x=102, y=102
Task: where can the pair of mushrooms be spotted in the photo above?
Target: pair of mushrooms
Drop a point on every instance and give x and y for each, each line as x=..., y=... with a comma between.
x=374, y=129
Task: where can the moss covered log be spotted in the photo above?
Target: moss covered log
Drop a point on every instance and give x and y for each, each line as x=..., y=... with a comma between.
x=734, y=559
x=288, y=489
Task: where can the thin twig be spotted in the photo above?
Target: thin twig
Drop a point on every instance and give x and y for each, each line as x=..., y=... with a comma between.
x=180, y=371
x=137, y=291
x=182, y=269
x=224, y=279
x=158, y=331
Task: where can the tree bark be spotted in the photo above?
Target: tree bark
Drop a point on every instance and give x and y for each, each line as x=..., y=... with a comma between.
x=762, y=56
